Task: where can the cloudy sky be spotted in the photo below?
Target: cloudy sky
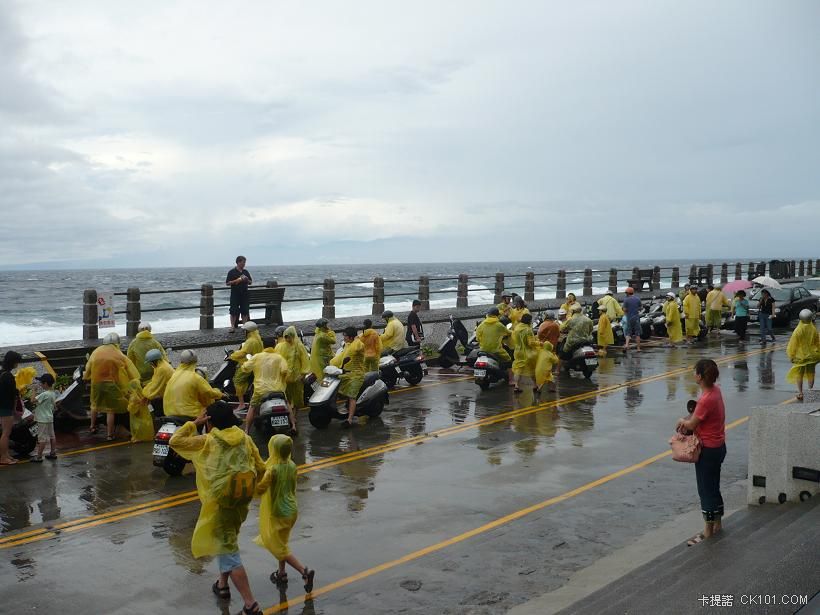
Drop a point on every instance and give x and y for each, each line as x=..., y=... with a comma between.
x=183, y=132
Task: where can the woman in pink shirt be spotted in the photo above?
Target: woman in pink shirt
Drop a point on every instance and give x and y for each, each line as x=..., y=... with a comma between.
x=708, y=421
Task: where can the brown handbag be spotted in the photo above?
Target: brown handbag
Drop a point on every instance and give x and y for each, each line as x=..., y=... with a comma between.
x=685, y=448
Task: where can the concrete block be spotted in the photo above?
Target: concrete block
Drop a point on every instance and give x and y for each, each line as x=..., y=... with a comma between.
x=784, y=452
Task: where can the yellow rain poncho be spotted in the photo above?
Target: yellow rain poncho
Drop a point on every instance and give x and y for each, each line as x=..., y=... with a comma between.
x=270, y=373
x=544, y=364
x=294, y=352
x=673, y=325
x=803, y=351
x=252, y=345
x=491, y=335
x=691, y=311
x=579, y=330
x=142, y=343
x=187, y=393
x=525, y=350
x=353, y=377
x=516, y=314
x=393, y=336
x=140, y=423
x=372, y=349
x=610, y=305
x=226, y=461
x=322, y=350
x=23, y=378
x=155, y=389
x=504, y=309
x=278, y=509
x=112, y=377
x=715, y=302
x=605, y=335
x=571, y=300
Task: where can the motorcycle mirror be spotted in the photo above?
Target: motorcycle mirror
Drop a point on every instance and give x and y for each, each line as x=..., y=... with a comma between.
x=249, y=356
x=226, y=383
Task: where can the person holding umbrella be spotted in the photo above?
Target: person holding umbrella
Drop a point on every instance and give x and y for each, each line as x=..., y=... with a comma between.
x=765, y=314
x=740, y=309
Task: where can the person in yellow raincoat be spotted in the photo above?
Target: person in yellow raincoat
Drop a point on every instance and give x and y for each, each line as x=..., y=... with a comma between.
x=372, y=346
x=672, y=313
x=278, y=511
x=804, y=352
x=294, y=352
x=491, y=336
x=544, y=365
x=393, y=337
x=351, y=360
x=188, y=394
x=252, y=345
x=270, y=375
x=525, y=352
x=141, y=422
x=113, y=376
x=567, y=306
x=610, y=310
x=228, y=469
x=504, y=307
x=518, y=310
x=139, y=346
x=691, y=311
x=321, y=352
x=716, y=301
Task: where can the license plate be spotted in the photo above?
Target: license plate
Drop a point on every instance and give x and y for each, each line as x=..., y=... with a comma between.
x=591, y=361
x=480, y=373
x=398, y=370
x=279, y=421
x=423, y=365
x=160, y=450
x=167, y=428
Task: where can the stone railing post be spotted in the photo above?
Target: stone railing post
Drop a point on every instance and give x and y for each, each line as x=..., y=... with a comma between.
x=206, y=307
x=656, y=278
x=738, y=271
x=675, y=277
x=329, y=299
x=273, y=312
x=793, y=269
x=636, y=274
x=133, y=311
x=817, y=265
x=751, y=275
x=693, y=275
x=561, y=285
x=529, y=286
x=613, y=280
x=802, y=269
x=424, y=292
x=378, y=296
x=808, y=269
x=587, y=292
x=90, y=315
x=724, y=273
x=710, y=272
x=499, y=287
x=461, y=297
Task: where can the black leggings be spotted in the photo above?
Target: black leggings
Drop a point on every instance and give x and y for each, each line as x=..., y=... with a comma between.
x=707, y=473
x=741, y=323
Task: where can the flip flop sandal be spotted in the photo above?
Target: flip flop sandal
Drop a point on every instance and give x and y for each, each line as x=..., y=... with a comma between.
x=799, y=397
x=308, y=579
x=279, y=578
x=223, y=593
x=696, y=539
x=252, y=609
x=110, y=438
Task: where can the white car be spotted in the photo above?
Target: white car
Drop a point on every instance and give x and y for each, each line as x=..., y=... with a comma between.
x=812, y=285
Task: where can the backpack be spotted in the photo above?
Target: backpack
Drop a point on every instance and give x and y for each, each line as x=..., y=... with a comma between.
x=237, y=488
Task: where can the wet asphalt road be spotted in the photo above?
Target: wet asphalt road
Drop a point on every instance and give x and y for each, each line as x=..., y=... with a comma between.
x=102, y=531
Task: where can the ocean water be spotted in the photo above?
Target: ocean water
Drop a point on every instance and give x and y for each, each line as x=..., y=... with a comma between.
x=45, y=306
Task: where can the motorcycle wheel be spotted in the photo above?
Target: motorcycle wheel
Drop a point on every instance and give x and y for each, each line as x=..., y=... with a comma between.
x=415, y=375
x=319, y=418
x=375, y=409
x=587, y=373
x=444, y=362
x=390, y=379
x=173, y=465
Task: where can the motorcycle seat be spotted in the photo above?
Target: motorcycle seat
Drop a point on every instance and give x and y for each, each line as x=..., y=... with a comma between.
x=404, y=351
x=176, y=420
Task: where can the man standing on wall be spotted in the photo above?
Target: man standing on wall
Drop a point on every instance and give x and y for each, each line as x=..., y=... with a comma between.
x=239, y=279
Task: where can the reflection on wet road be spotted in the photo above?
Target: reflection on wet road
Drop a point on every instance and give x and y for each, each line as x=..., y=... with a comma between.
x=440, y=463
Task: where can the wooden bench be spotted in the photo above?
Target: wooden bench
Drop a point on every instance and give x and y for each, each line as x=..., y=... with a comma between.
x=271, y=298
x=644, y=279
x=65, y=360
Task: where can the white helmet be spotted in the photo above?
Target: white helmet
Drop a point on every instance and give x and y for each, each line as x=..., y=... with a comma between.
x=608, y=292
x=806, y=315
x=144, y=326
x=670, y=295
x=202, y=372
x=187, y=357
x=112, y=338
x=250, y=326
x=562, y=312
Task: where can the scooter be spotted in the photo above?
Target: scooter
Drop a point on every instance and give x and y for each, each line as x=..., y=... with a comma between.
x=583, y=359
x=70, y=411
x=372, y=398
x=488, y=369
x=223, y=378
x=407, y=363
x=448, y=351
x=273, y=416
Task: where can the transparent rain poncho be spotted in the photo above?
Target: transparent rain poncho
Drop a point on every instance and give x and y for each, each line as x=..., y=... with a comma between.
x=803, y=351
x=270, y=372
x=321, y=352
x=278, y=509
x=113, y=376
x=187, y=393
x=223, y=459
x=141, y=344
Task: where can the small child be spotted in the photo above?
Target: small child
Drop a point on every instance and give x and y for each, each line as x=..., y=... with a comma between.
x=278, y=510
x=690, y=408
x=44, y=416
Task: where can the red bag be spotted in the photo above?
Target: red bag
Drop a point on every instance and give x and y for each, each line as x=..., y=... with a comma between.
x=685, y=448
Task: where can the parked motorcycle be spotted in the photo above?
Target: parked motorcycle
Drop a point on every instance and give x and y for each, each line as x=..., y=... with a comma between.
x=70, y=410
x=583, y=359
x=448, y=351
x=407, y=363
x=273, y=416
x=488, y=369
x=373, y=396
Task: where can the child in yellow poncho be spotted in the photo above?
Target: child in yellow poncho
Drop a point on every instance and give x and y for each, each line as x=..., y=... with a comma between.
x=278, y=510
x=545, y=363
x=804, y=352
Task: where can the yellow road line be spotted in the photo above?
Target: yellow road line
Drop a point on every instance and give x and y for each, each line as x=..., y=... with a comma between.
x=191, y=496
x=514, y=516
